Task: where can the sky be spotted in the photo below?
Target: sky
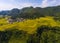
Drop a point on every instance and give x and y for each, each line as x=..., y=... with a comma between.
x=10, y=4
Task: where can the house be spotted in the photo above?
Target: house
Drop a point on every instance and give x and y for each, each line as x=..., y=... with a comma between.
x=19, y=19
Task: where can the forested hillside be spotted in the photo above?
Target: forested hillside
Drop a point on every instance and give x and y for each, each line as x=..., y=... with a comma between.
x=30, y=25
x=31, y=12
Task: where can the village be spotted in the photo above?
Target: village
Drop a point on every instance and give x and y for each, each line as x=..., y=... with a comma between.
x=10, y=20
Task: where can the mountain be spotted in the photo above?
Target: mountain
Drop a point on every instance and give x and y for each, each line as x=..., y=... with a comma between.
x=30, y=12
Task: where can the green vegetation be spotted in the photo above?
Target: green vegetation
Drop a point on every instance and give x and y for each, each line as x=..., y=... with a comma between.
x=39, y=30
x=31, y=12
x=39, y=25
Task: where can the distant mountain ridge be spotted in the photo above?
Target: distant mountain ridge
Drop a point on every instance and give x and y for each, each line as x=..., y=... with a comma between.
x=30, y=12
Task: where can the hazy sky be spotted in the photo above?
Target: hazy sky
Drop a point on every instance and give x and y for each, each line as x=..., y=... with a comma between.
x=9, y=4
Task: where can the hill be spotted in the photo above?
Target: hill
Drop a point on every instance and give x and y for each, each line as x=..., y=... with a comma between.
x=30, y=25
x=30, y=12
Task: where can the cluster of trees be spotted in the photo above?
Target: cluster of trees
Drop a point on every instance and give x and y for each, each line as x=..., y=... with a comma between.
x=44, y=34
